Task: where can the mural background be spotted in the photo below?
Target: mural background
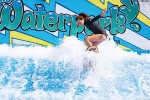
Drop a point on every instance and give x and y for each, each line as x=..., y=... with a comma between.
x=129, y=40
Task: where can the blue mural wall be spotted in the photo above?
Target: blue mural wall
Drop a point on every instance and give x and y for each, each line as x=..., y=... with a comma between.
x=47, y=22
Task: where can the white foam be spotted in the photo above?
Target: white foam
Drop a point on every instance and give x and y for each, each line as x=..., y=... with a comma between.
x=118, y=74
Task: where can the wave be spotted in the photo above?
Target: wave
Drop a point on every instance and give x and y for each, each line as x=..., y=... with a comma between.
x=56, y=73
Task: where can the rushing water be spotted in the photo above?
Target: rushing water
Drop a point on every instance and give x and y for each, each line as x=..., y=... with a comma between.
x=57, y=73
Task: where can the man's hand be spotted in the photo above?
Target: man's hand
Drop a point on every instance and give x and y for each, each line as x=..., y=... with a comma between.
x=103, y=12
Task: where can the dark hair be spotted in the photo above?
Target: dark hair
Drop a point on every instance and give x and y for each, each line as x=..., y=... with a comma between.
x=82, y=16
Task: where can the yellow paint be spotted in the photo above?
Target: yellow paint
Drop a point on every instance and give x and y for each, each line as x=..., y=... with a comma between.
x=65, y=36
x=123, y=47
x=24, y=37
x=144, y=19
x=101, y=5
x=48, y=1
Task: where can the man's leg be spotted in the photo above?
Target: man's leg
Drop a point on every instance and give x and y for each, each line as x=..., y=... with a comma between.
x=95, y=40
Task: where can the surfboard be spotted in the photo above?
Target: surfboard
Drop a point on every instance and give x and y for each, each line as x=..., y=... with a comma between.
x=93, y=49
x=89, y=62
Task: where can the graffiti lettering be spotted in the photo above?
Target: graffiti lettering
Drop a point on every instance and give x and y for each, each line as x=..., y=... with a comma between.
x=131, y=10
x=13, y=16
x=6, y=19
x=118, y=22
x=39, y=20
